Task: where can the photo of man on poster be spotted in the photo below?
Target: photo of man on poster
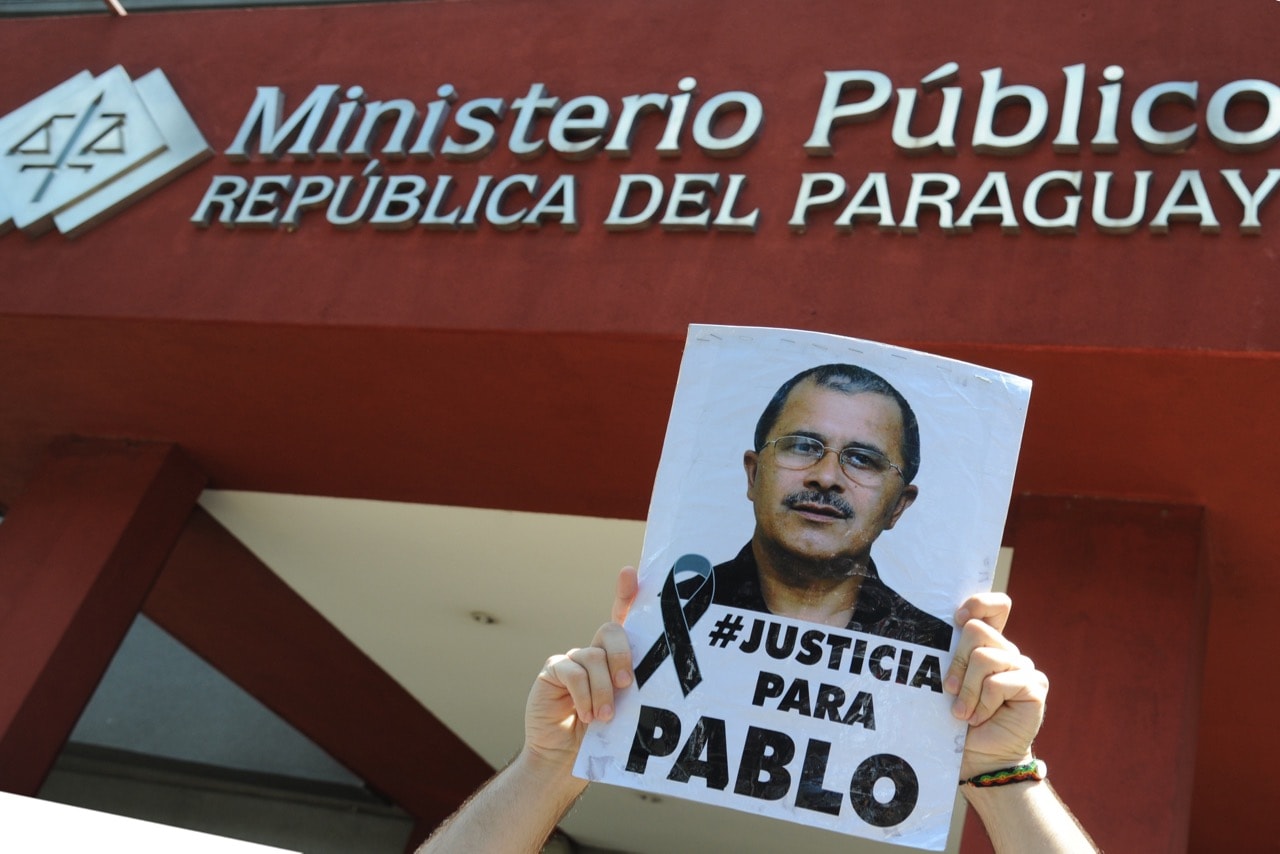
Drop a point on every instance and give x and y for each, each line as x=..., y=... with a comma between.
x=834, y=457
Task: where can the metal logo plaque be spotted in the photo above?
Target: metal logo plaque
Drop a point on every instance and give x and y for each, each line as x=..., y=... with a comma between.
x=89, y=147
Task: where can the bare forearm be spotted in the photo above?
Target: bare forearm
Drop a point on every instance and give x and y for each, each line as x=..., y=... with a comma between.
x=1028, y=817
x=513, y=813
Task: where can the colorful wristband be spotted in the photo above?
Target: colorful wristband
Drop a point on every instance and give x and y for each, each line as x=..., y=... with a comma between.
x=1034, y=770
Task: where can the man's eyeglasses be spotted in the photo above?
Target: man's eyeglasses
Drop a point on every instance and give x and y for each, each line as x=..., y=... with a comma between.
x=863, y=466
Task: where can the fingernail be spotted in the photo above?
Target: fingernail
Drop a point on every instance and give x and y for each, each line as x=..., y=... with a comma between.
x=605, y=713
x=963, y=616
x=952, y=685
x=622, y=679
x=958, y=710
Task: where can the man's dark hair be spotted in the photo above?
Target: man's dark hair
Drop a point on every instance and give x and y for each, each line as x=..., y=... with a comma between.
x=849, y=379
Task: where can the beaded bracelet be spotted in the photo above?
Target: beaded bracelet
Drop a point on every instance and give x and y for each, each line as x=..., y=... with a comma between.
x=1034, y=770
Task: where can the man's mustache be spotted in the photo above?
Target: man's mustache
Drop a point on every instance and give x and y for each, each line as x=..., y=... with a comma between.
x=813, y=497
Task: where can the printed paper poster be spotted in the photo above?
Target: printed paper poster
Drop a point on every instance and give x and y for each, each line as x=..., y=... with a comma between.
x=821, y=507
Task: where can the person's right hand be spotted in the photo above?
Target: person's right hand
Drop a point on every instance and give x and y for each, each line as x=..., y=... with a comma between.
x=576, y=688
x=998, y=690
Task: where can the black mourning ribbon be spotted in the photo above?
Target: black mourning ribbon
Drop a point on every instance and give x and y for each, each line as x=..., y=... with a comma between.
x=696, y=591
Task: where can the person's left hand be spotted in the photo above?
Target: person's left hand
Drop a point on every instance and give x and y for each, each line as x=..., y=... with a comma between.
x=576, y=688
